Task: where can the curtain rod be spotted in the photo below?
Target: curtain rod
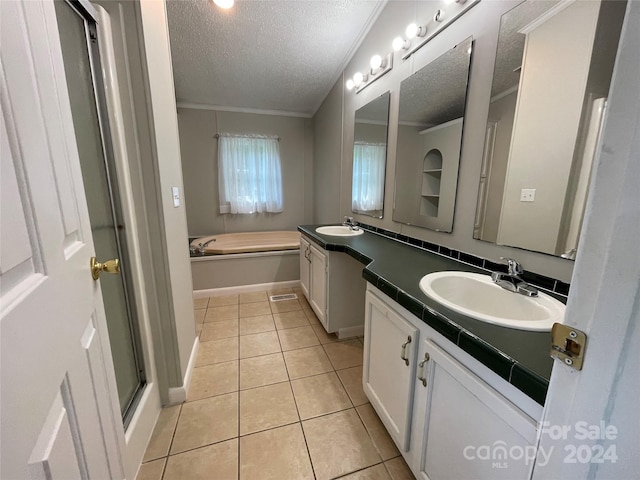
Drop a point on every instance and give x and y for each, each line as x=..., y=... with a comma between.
x=218, y=135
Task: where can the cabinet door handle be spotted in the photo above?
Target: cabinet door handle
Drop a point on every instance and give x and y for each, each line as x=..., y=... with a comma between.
x=403, y=351
x=421, y=365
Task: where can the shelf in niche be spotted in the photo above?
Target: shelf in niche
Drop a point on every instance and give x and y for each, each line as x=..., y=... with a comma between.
x=429, y=205
x=433, y=171
x=432, y=160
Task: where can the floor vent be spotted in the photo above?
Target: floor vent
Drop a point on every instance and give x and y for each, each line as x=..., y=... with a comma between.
x=280, y=298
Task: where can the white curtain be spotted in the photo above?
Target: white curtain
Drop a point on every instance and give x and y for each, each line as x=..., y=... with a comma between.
x=368, y=176
x=249, y=174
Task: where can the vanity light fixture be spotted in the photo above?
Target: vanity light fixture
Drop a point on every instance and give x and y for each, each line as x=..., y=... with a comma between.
x=400, y=43
x=376, y=63
x=441, y=19
x=224, y=4
x=359, y=78
x=413, y=31
x=379, y=66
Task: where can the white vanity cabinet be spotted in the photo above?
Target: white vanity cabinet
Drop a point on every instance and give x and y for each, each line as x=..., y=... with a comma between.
x=389, y=367
x=452, y=418
x=334, y=287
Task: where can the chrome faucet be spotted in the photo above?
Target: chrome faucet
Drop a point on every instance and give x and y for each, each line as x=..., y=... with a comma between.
x=511, y=280
x=200, y=247
x=351, y=223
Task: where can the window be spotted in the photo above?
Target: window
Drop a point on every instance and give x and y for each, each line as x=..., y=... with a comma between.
x=368, y=176
x=249, y=176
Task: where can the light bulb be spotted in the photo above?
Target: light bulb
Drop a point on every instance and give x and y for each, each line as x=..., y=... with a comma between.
x=375, y=62
x=399, y=43
x=411, y=31
x=358, y=78
x=350, y=84
x=224, y=3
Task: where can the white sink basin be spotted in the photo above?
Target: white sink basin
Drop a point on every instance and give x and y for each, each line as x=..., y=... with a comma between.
x=339, y=231
x=477, y=296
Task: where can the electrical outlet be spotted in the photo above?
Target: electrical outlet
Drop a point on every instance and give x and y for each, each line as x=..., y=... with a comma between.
x=527, y=195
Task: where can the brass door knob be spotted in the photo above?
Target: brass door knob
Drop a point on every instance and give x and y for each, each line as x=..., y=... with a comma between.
x=110, y=266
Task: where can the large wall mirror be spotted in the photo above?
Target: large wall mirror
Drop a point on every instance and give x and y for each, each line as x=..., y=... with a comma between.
x=550, y=85
x=432, y=103
x=370, y=157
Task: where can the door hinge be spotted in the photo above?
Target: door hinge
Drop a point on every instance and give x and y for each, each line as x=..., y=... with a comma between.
x=568, y=345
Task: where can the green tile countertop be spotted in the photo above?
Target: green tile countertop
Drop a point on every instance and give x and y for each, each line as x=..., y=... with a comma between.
x=520, y=357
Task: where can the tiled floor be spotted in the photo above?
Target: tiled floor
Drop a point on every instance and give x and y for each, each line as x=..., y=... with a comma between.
x=272, y=396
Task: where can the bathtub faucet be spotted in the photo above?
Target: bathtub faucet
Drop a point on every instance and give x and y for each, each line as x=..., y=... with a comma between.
x=201, y=246
x=351, y=223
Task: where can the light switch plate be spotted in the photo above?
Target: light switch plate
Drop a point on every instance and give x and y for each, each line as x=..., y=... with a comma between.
x=527, y=195
x=175, y=194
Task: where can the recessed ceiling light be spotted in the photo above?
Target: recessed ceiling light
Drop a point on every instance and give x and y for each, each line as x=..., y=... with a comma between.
x=224, y=3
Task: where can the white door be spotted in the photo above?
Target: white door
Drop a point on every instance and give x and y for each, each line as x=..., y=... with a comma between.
x=59, y=407
x=305, y=267
x=390, y=345
x=318, y=284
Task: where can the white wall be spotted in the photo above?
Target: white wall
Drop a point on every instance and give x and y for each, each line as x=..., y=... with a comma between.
x=483, y=22
x=544, y=135
x=327, y=154
x=200, y=169
x=161, y=96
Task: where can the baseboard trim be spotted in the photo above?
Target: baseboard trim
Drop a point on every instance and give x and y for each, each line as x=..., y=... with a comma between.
x=179, y=394
x=350, y=332
x=217, y=292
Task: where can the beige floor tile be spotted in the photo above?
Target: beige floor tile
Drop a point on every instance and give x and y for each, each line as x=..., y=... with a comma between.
x=218, y=314
x=213, y=380
x=206, y=421
x=299, y=337
x=199, y=329
x=152, y=470
x=377, y=472
x=351, y=379
x=218, y=330
x=253, y=297
x=267, y=407
x=294, y=319
x=378, y=433
x=219, y=462
x=280, y=291
x=319, y=395
x=259, y=324
x=162, y=433
x=305, y=362
x=259, y=344
x=285, y=306
x=311, y=316
x=276, y=454
x=264, y=370
x=199, y=303
x=254, y=309
x=344, y=354
x=217, y=351
x=339, y=444
x=298, y=290
x=223, y=300
x=199, y=315
x=303, y=302
x=398, y=469
x=323, y=336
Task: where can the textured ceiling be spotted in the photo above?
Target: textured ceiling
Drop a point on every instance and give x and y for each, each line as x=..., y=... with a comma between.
x=436, y=93
x=511, y=43
x=264, y=54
